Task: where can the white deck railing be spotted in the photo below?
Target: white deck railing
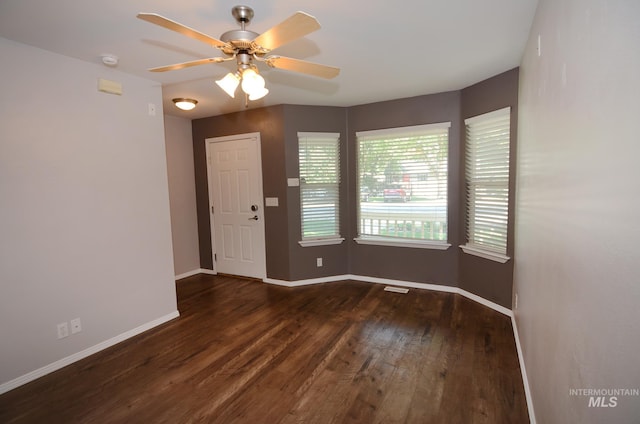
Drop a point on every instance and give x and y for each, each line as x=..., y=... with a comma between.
x=403, y=225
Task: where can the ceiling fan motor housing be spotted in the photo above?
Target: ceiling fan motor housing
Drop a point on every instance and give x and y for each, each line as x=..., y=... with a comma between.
x=240, y=39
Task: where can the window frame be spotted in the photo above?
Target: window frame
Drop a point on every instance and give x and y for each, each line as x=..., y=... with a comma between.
x=335, y=238
x=392, y=240
x=473, y=246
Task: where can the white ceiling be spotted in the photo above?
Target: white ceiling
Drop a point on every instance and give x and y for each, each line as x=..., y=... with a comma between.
x=384, y=51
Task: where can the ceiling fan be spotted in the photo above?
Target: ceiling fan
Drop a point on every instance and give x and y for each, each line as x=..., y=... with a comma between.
x=248, y=47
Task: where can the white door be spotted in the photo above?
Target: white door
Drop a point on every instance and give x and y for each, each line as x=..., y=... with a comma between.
x=235, y=203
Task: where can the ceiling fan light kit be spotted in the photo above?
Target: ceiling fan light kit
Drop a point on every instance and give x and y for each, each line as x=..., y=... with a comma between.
x=247, y=76
x=258, y=94
x=246, y=46
x=185, y=104
x=253, y=84
x=229, y=83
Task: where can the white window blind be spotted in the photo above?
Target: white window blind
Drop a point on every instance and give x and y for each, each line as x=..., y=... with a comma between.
x=402, y=181
x=319, y=162
x=487, y=178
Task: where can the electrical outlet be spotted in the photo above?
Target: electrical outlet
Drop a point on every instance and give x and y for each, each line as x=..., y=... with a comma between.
x=319, y=262
x=76, y=326
x=63, y=330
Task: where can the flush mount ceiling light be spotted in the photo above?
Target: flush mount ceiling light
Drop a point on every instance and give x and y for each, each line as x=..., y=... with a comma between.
x=246, y=46
x=185, y=104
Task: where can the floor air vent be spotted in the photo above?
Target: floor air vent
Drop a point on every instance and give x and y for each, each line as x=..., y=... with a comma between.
x=396, y=289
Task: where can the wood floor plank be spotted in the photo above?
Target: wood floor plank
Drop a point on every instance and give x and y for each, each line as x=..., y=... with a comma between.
x=247, y=352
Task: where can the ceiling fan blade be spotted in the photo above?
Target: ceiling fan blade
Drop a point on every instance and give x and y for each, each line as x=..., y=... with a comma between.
x=297, y=25
x=179, y=28
x=297, y=65
x=188, y=64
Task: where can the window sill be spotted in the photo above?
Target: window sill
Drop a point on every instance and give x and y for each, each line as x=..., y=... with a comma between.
x=486, y=254
x=419, y=244
x=321, y=242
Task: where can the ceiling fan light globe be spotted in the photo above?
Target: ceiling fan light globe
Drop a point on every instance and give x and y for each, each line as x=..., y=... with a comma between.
x=229, y=84
x=258, y=94
x=251, y=81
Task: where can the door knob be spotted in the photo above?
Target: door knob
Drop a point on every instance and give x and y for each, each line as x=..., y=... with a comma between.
x=255, y=218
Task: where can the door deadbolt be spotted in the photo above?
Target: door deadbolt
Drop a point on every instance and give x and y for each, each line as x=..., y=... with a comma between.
x=254, y=208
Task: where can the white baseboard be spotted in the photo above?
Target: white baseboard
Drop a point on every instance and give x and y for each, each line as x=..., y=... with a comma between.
x=195, y=272
x=481, y=300
x=525, y=380
x=307, y=282
x=362, y=278
x=400, y=283
x=187, y=274
x=41, y=372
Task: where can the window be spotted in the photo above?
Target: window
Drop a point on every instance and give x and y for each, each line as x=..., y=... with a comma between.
x=319, y=162
x=487, y=180
x=402, y=183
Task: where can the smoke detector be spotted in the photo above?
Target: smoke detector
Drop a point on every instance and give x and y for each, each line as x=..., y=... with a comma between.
x=110, y=60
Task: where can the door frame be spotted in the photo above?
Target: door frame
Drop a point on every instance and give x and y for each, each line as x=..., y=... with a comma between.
x=236, y=137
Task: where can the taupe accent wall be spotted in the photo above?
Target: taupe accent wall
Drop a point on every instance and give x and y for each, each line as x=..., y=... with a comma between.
x=403, y=263
x=287, y=260
x=303, y=259
x=269, y=123
x=489, y=279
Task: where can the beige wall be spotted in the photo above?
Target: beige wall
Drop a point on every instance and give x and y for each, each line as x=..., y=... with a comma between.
x=578, y=204
x=84, y=210
x=182, y=194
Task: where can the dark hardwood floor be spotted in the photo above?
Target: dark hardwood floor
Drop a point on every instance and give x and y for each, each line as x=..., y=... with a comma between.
x=247, y=352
